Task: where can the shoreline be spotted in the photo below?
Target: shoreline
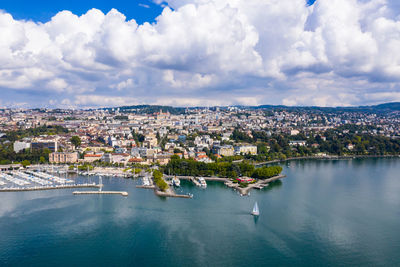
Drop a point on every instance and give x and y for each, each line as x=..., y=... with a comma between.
x=324, y=158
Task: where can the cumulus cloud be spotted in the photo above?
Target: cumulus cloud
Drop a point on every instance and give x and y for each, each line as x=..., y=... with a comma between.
x=334, y=52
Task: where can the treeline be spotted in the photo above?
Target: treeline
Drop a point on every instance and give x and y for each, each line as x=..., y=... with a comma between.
x=147, y=109
x=42, y=130
x=190, y=167
x=157, y=177
x=331, y=142
x=266, y=172
x=8, y=156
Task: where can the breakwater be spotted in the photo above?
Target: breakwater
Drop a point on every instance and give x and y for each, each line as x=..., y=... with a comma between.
x=122, y=193
x=170, y=194
x=41, y=188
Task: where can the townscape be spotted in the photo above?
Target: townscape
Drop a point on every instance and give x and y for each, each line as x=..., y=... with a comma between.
x=151, y=135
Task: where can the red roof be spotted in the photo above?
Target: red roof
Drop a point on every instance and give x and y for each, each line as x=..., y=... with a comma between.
x=135, y=160
x=120, y=154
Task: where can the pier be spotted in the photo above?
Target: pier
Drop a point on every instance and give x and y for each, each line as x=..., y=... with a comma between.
x=122, y=193
x=196, y=183
x=39, y=188
x=260, y=184
x=146, y=186
x=170, y=194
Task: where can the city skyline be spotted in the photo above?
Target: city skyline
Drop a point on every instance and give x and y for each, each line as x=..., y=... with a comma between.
x=199, y=53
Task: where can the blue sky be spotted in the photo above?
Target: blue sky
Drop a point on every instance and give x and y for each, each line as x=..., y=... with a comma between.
x=44, y=10
x=199, y=52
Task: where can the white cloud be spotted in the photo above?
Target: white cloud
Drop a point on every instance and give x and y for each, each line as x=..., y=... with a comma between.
x=336, y=52
x=101, y=100
x=144, y=5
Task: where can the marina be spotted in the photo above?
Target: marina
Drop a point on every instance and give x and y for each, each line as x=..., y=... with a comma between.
x=16, y=181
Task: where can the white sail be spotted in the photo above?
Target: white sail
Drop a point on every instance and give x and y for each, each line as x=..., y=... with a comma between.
x=255, y=210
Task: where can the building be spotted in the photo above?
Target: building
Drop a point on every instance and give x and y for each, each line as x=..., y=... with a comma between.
x=63, y=157
x=294, y=132
x=162, y=159
x=350, y=146
x=41, y=144
x=150, y=141
x=20, y=146
x=246, y=149
x=297, y=143
x=116, y=158
x=92, y=157
x=203, y=158
x=245, y=180
x=225, y=151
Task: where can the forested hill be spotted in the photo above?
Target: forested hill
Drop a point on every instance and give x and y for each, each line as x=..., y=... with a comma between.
x=387, y=107
x=150, y=109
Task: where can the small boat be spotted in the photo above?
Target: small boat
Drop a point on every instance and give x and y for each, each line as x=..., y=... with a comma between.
x=202, y=181
x=255, y=211
x=176, y=182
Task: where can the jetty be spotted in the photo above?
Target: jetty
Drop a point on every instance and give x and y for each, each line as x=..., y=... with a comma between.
x=190, y=178
x=122, y=193
x=170, y=194
x=196, y=183
x=146, y=186
x=260, y=184
x=39, y=188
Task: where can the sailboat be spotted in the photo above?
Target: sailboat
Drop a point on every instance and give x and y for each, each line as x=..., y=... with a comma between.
x=255, y=211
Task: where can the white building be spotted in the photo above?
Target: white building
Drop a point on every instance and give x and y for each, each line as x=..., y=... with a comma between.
x=246, y=149
x=19, y=146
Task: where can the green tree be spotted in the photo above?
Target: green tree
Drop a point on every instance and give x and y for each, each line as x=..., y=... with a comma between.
x=76, y=141
x=25, y=163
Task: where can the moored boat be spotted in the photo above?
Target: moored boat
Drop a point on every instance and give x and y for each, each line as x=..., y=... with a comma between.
x=176, y=182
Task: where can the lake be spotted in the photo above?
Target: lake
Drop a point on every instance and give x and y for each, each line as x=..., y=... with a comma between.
x=325, y=213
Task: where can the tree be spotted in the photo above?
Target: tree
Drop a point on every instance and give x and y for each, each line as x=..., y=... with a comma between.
x=76, y=141
x=25, y=163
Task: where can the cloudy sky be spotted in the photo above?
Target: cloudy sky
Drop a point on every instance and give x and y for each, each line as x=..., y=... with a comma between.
x=199, y=52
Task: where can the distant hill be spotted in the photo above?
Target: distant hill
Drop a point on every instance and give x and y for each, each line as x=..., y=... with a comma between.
x=395, y=106
x=150, y=109
x=387, y=107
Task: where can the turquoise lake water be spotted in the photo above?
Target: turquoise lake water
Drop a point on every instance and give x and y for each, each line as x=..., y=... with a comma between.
x=325, y=213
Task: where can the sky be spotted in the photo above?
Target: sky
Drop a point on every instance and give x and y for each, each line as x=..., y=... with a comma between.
x=80, y=54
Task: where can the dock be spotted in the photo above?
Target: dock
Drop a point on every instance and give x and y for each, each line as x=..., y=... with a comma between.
x=258, y=185
x=196, y=183
x=146, y=186
x=170, y=194
x=40, y=188
x=122, y=193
